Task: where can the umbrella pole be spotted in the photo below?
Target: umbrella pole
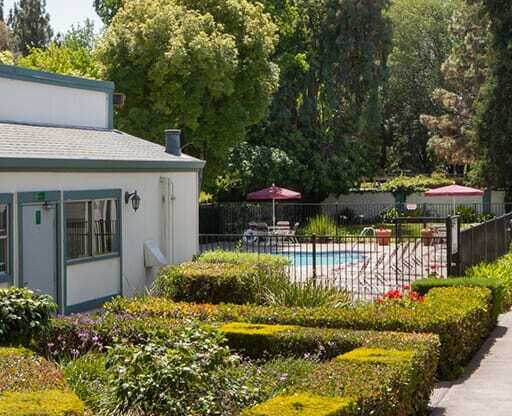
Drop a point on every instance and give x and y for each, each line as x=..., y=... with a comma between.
x=453, y=205
x=274, y=212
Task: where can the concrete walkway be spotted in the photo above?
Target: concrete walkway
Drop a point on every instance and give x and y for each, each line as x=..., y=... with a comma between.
x=485, y=388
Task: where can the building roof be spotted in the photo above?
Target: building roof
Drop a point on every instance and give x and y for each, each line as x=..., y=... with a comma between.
x=35, y=147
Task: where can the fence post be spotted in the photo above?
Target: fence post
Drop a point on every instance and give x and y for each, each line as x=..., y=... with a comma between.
x=313, y=241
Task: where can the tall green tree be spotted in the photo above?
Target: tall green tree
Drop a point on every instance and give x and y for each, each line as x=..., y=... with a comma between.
x=326, y=115
x=203, y=66
x=107, y=9
x=30, y=25
x=421, y=43
x=495, y=117
x=453, y=133
x=80, y=36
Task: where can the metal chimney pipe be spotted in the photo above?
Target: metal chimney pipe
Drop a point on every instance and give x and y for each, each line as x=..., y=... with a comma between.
x=173, y=142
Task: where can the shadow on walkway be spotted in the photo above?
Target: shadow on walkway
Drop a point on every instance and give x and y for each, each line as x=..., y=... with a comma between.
x=442, y=388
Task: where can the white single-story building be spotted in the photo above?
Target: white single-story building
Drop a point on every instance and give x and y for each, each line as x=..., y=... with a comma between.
x=86, y=212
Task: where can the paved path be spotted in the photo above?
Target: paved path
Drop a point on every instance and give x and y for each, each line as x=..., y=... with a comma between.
x=485, y=389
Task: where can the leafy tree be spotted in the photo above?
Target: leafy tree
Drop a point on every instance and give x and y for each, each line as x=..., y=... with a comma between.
x=254, y=167
x=495, y=115
x=80, y=36
x=326, y=114
x=203, y=66
x=2, y=10
x=30, y=25
x=107, y=9
x=64, y=59
x=465, y=71
x=5, y=37
x=421, y=43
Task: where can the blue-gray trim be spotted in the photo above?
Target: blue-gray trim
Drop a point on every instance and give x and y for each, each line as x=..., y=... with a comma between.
x=43, y=77
x=10, y=164
x=8, y=277
x=89, y=305
x=42, y=197
x=91, y=195
x=38, y=196
x=81, y=260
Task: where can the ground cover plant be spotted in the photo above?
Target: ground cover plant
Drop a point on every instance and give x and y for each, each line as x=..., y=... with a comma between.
x=460, y=316
x=31, y=386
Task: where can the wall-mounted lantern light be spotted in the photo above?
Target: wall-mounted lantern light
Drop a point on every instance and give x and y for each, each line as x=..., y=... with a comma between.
x=135, y=199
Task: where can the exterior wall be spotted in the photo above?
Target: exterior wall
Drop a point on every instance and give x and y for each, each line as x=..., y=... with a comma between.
x=91, y=279
x=32, y=102
x=360, y=202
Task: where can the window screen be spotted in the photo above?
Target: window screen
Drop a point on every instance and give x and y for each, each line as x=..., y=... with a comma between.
x=4, y=239
x=91, y=228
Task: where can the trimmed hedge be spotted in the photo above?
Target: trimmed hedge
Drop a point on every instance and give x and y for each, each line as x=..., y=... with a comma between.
x=260, y=340
x=304, y=404
x=381, y=382
x=404, y=365
x=496, y=286
x=32, y=386
x=460, y=316
x=219, y=276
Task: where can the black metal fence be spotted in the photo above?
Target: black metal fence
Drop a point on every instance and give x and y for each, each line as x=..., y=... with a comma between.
x=364, y=266
x=233, y=218
x=484, y=242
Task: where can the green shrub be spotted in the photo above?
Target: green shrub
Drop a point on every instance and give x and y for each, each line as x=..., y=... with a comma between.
x=23, y=315
x=87, y=377
x=468, y=215
x=32, y=386
x=277, y=263
x=460, y=316
x=303, y=404
x=497, y=287
x=321, y=225
x=375, y=355
x=219, y=276
x=224, y=277
x=409, y=185
x=305, y=295
x=500, y=269
x=183, y=375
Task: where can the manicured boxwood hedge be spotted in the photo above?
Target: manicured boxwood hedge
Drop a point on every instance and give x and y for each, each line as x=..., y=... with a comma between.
x=376, y=381
x=496, y=286
x=460, y=316
x=32, y=386
x=218, y=276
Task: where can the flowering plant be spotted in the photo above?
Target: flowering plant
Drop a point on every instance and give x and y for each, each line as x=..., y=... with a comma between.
x=405, y=295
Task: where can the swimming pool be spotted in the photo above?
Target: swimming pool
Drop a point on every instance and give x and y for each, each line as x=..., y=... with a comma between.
x=323, y=258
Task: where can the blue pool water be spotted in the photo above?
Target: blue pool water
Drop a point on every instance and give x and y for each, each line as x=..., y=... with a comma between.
x=327, y=258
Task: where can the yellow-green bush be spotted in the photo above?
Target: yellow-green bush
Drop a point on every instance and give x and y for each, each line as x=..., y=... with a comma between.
x=303, y=404
x=41, y=403
x=32, y=386
x=375, y=355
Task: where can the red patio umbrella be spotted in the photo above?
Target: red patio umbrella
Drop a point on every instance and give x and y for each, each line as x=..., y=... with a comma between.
x=273, y=193
x=454, y=191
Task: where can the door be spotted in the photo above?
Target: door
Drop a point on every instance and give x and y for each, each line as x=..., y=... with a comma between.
x=39, y=248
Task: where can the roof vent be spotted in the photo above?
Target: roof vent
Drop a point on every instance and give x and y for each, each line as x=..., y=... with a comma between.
x=173, y=142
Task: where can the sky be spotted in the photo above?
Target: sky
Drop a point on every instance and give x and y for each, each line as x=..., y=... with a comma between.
x=64, y=13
